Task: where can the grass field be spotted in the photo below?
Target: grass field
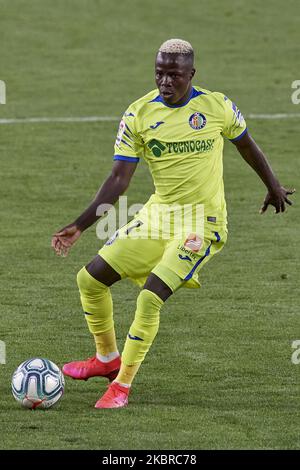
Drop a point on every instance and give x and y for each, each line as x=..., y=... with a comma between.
x=219, y=375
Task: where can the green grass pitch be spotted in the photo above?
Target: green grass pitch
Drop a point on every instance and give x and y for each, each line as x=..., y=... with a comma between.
x=219, y=375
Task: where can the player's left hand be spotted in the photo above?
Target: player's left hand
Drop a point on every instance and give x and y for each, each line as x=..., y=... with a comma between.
x=277, y=198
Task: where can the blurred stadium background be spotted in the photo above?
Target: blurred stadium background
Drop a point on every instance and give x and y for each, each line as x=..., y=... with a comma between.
x=219, y=375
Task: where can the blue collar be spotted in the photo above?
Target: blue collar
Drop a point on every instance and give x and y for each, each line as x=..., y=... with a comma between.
x=194, y=93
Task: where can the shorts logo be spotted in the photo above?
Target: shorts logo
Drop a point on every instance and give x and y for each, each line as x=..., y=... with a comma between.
x=112, y=238
x=197, y=121
x=193, y=242
x=186, y=257
x=136, y=224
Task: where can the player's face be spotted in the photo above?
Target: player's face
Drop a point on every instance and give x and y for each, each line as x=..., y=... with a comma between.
x=173, y=76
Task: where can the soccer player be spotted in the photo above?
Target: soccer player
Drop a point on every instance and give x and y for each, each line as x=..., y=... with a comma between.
x=178, y=129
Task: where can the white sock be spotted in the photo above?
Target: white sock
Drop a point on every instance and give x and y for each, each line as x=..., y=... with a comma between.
x=123, y=385
x=109, y=357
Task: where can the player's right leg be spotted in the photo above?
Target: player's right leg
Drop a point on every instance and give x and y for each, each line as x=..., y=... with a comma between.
x=93, y=282
x=119, y=258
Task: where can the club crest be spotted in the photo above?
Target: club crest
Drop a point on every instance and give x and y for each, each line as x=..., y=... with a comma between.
x=193, y=242
x=197, y=121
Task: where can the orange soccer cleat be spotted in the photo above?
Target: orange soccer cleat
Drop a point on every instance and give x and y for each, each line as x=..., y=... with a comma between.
x=116, y=396
x=92, y=367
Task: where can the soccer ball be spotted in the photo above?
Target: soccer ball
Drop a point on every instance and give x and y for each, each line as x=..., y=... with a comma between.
x=37, y=383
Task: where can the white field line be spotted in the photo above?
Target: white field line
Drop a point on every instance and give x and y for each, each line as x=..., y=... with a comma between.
x=116, y=119
x=274, y=116
x=60, y=119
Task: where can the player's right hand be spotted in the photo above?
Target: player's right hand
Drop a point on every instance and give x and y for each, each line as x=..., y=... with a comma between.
x=64, y=239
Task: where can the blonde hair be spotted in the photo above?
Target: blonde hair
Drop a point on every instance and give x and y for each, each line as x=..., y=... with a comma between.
x=176, y=46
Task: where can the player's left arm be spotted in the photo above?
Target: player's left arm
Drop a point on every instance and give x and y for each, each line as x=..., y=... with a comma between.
x=277, y=195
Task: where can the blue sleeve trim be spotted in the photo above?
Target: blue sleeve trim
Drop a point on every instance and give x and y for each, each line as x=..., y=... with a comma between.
x=239, y=136
x=126, y=159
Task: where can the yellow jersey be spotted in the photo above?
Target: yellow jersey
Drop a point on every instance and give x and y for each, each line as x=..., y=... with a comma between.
x=183, y=147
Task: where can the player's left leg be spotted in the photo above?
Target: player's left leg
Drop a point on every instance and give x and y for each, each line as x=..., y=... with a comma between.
x=144, y=327
x=139, y=340
x=178, y=267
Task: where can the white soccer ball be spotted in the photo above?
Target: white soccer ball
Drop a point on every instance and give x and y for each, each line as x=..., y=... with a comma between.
x=37, y=383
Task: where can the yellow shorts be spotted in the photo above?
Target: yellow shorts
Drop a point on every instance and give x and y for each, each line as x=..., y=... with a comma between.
x=176, y=261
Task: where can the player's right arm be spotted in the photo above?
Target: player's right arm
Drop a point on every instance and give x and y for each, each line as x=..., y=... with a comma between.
x=128, y=150
x=114, y=186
